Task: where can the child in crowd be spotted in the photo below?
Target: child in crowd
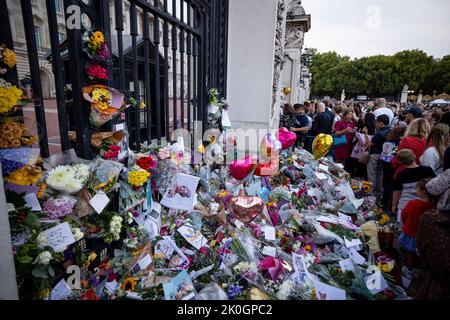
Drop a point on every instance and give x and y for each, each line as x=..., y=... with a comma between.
x=406, y=181
x=410, y=218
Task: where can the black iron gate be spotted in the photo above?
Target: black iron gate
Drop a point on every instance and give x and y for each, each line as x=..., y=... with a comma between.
x=168, y=53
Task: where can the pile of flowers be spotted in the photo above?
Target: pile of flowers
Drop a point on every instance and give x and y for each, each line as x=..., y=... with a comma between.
x=69, y=179
x=147, y=162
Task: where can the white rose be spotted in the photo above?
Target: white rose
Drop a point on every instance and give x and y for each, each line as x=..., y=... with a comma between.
x=43, y=258
x=77, y=234
x=41, y=239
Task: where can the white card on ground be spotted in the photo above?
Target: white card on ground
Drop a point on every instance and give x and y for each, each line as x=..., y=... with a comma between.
x=61, y=291
x=321, y=176
x=356, y=257
x=358, y=203
x=33, y=202
x=112, y=286
x=345, y=217
x=327, y=292
x=99, y=202
x=323, y=167
x=59, y=237
x=376, y=283
x=193, y=236
x=269, y=233
x=143, y=263
x=269, y=251
x=346, y=265
x=299, y=263
x=164, y=247
x=353, y=244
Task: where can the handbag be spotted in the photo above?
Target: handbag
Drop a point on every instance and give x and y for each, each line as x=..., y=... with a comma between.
x=341, y=140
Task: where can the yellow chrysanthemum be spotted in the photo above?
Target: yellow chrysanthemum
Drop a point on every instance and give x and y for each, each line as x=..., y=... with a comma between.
x=9, y=58
x=9, y=97
x=100, y=94
x=138, y=177
x=25, y=176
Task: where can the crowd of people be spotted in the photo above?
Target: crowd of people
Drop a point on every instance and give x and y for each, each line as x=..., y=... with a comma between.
x=404, y=152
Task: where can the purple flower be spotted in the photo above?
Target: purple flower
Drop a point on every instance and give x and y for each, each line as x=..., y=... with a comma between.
x=234, y=290
x=103, y=53
x=58, y=208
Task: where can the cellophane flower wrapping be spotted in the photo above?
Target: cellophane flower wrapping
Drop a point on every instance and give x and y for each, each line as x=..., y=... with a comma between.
x=105, y=174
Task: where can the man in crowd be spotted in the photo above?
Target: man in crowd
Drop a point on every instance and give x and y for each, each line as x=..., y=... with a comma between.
x=322, y=122
x=381, y=108
x=413, y=113
x=301, y=126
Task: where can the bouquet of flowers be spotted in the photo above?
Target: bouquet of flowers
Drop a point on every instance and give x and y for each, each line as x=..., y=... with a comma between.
x=104, y=175
x=69, y=179
x=59, y=207
x=105, y=103
x=8, y=59
x=14, y=134
x=147, y=162
x=96, y=71
x=94, y=45
x=137, y=177
x=10, y=96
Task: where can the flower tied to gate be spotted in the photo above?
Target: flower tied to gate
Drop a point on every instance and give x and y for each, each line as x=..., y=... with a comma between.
x=10, y=96
x=8, y=57
x=95, y=71
x=102, y=98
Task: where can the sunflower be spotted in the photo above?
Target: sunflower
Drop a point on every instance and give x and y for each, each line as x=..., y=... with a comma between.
x=129, y=284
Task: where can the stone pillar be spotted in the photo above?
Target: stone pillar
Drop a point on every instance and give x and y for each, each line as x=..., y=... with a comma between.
x=297, y=23
x=255, y=41
x=8, y=282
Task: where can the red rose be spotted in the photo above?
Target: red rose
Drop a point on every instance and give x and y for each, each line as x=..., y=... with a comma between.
x=146, y=163
x=95, y=71
x=115, y=148
x=204, y=250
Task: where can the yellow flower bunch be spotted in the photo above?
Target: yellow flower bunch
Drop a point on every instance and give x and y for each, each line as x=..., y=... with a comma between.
x=25, y=176
x=9, y=58
x=98, y=38
x=9, y=96
x=102, y=97
x=138, y=177
x=384, y=219
x=386, y=267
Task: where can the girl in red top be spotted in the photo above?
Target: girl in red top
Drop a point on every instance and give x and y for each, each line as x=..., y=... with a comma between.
x=415, y=139
x=345, y=126
x=410, y=217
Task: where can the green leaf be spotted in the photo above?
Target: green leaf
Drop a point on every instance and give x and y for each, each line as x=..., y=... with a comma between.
x=25, y=259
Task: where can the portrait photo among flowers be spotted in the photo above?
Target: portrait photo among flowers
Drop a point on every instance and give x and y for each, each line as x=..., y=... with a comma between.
x=180, y=196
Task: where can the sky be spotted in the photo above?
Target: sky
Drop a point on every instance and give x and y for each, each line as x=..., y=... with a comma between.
x=359, y=28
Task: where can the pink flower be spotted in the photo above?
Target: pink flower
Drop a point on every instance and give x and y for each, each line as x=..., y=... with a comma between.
x=95, y=71
x=204, y=250
x=272, y=266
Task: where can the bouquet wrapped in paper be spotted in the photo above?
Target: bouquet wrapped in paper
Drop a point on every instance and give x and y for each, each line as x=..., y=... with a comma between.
x=105, y=102
x=104, y=175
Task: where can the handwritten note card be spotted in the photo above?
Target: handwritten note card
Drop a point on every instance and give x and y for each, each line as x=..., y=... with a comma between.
x=59, y=237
